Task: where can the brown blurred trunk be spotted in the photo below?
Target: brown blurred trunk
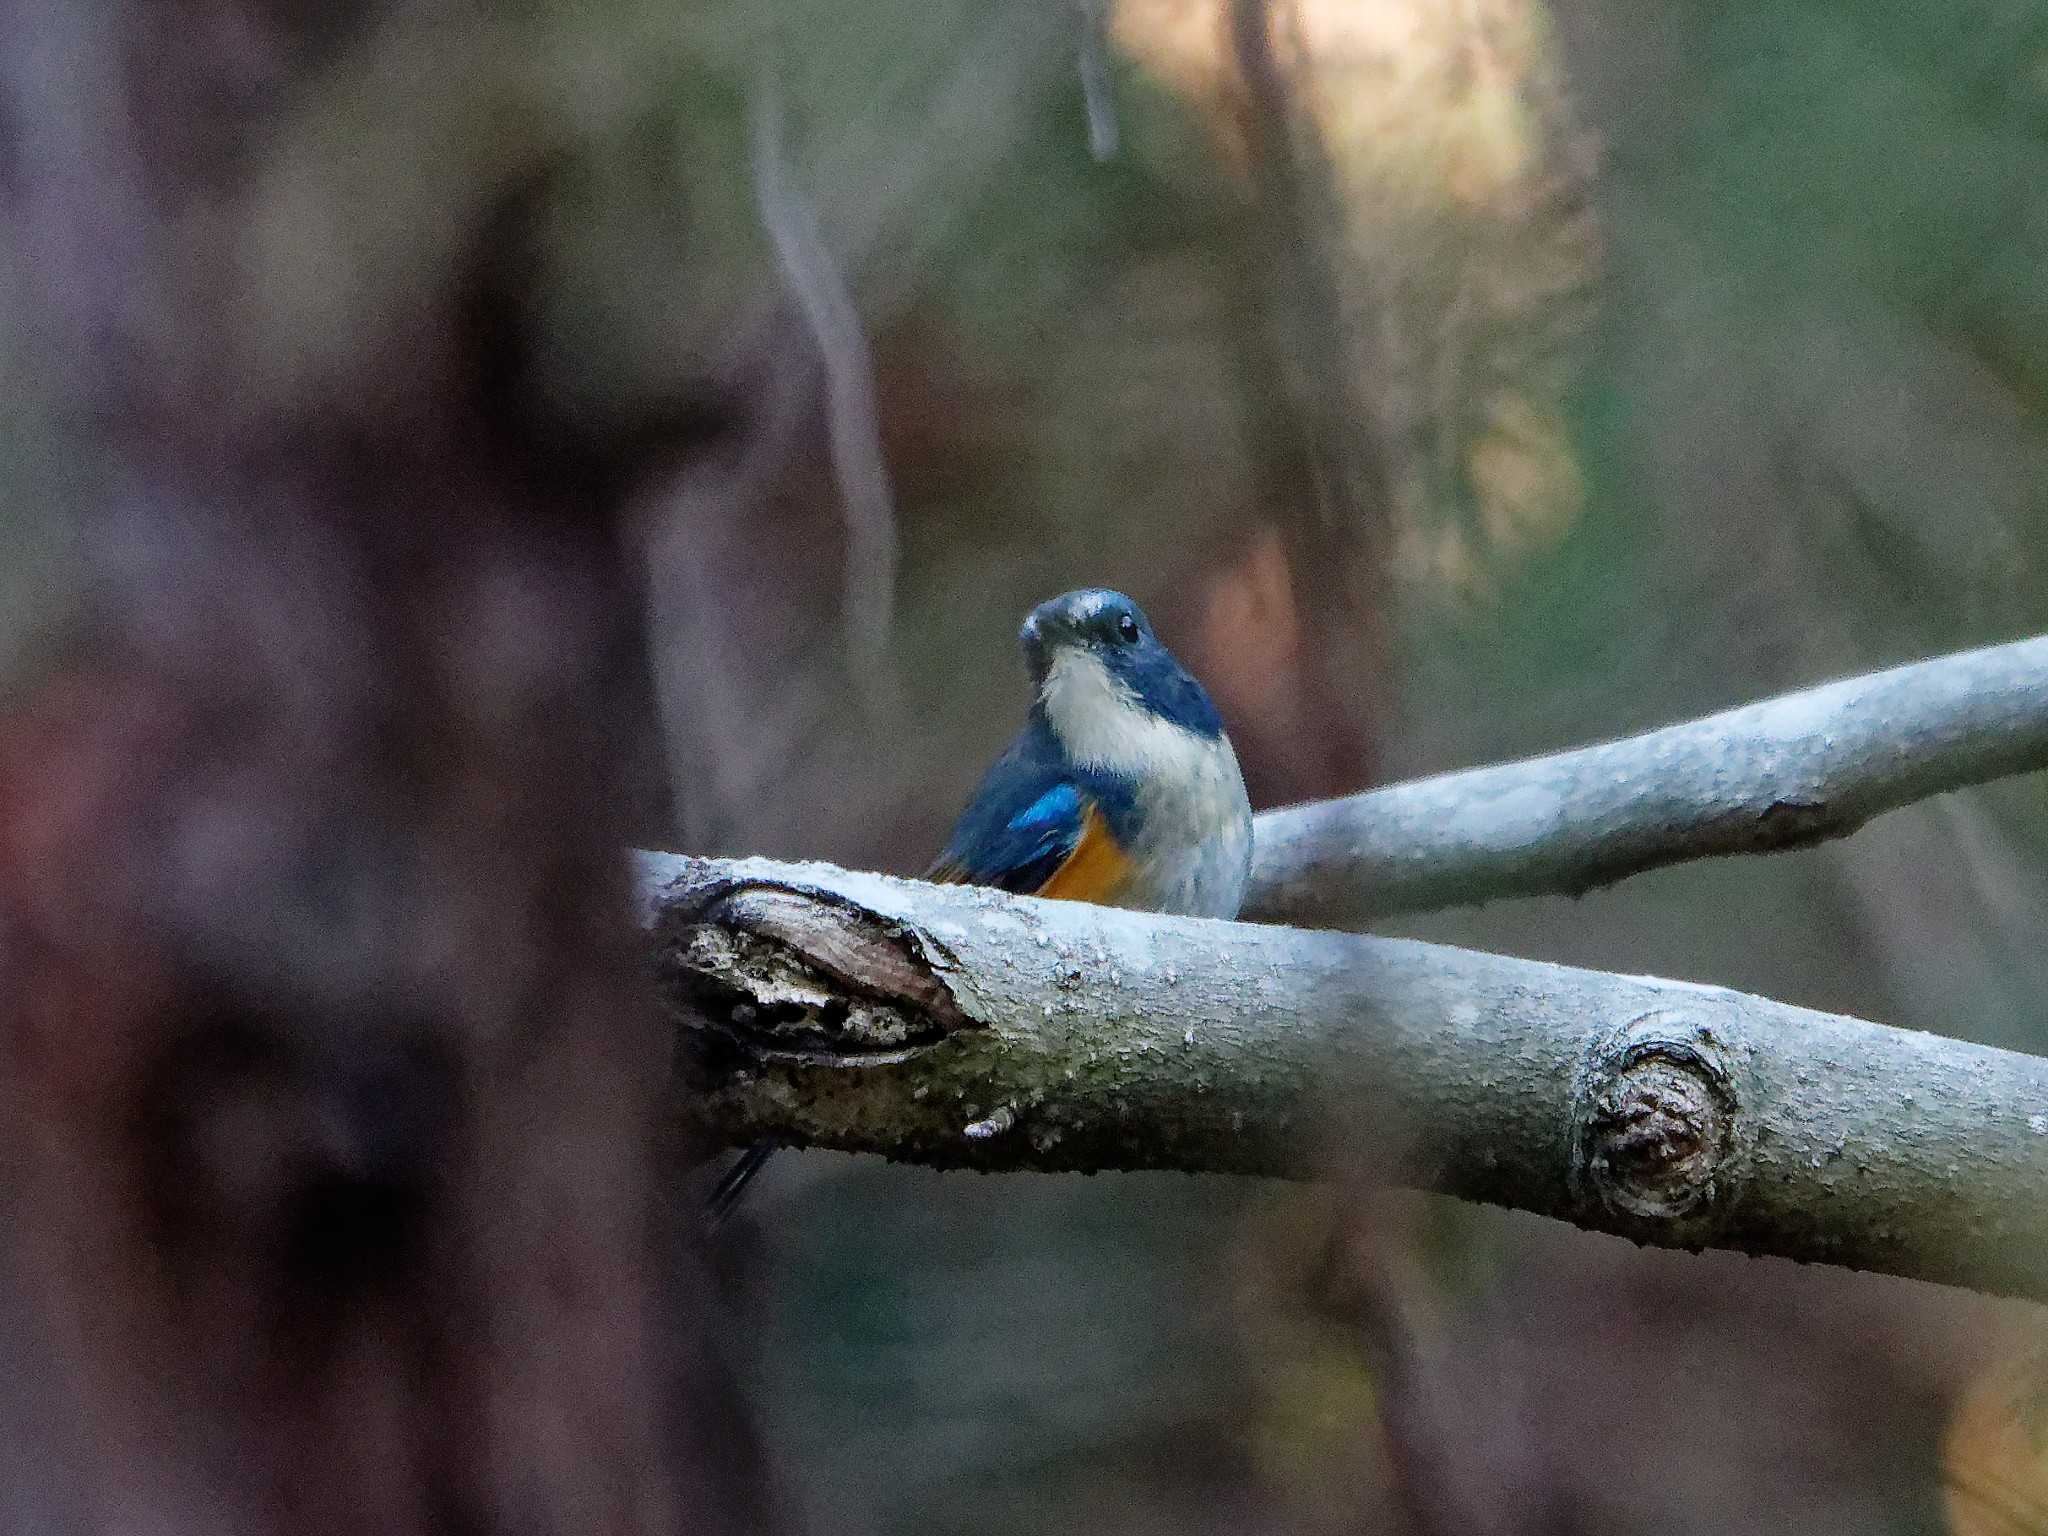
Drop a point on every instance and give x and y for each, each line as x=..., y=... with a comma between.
x=334, y=1120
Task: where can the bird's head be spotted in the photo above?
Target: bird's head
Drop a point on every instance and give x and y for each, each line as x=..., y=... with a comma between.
x=1106, y=684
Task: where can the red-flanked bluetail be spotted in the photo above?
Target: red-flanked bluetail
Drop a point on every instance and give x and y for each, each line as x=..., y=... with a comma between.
x=1122, y=788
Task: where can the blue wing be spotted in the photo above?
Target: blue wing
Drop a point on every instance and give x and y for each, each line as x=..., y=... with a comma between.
x=1024, y=822
x=1021, y=827
x=1038, y=825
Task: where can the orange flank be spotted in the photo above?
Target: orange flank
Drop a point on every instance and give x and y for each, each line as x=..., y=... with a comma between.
x=1097, y=870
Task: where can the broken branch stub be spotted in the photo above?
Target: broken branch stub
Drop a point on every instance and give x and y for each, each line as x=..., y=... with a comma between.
x=792, y=972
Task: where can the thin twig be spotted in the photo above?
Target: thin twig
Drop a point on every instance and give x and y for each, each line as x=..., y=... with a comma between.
x=1097, y=85
x=853, y=421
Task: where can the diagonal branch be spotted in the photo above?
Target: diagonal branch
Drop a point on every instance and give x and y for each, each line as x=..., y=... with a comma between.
x=965, y=1028
x=1785, y=773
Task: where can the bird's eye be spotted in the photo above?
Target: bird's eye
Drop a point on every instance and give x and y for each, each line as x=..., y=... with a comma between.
x=1127, y=629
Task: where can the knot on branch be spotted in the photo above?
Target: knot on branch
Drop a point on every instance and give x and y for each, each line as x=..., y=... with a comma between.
x=1654, y=1120
x=791, y=973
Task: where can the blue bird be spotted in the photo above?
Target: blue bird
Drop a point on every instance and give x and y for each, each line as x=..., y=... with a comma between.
x=1122, y=789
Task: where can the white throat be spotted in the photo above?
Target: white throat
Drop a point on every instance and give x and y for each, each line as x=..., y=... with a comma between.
x=1102, y=725
x=1191, y=851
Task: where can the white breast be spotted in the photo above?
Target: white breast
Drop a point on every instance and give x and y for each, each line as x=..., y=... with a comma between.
x=1194, y=855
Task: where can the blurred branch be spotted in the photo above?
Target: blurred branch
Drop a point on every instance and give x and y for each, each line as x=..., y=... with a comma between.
x=1313, y=336
x=1098, y=86
x=964, y=1028
x=1784, y=773
x=853, y=422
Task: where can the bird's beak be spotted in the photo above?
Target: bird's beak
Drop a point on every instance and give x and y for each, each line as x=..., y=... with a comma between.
x=1032, y=638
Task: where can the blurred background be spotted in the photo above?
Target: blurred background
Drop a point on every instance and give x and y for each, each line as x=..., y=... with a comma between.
x=1451, y=382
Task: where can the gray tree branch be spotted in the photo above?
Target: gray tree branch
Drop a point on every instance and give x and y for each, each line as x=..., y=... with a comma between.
x=965, y=1028
x=1790, y=771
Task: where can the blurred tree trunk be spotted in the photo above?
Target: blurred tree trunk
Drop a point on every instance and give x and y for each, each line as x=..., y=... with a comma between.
x=333, y=1113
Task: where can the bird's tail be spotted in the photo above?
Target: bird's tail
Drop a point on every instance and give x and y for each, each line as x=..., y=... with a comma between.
x=733, y=1184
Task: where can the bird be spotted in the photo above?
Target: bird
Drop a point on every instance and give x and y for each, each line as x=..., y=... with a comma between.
x=1122, y=788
